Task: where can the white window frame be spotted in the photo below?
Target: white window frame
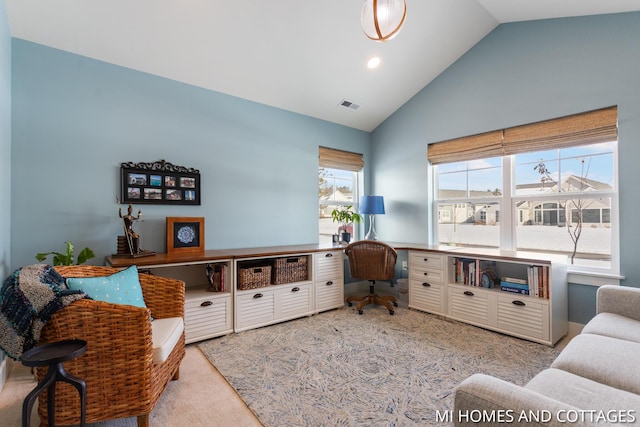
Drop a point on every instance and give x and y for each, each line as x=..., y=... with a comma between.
x=357, y=191
x=508, y=219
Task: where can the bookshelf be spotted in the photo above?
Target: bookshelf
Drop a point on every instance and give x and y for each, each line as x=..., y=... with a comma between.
x=524, y=295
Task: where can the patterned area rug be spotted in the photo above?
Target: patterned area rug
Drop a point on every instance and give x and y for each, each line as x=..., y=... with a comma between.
x=343, y=369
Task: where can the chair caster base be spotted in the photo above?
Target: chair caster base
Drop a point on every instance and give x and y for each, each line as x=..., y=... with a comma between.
x=360, y=311
x=395, y=304
x=350, y=304
x=391, y=312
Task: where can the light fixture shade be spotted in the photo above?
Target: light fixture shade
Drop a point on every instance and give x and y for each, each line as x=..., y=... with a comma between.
x=382, y=19
x=372, y=205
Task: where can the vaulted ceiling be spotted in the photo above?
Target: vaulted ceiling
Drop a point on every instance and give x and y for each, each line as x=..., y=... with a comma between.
x=298, y=55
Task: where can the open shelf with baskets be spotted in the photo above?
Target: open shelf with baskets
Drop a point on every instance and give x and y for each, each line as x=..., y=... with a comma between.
x=273, y=289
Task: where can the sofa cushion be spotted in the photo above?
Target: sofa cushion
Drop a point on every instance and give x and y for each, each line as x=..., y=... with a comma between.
x=583, y=393
x=602, y=359
x=614, y=326
x=165, y=334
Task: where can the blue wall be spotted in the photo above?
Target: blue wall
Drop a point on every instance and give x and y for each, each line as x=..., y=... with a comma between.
x=5, y=143
x=76, y=119
x=519, y=73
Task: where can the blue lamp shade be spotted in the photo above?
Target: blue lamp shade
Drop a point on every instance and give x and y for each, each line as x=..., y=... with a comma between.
x=372, y=205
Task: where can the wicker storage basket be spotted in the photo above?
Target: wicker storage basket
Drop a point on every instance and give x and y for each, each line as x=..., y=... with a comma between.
x=254, y=277
x=291, y=269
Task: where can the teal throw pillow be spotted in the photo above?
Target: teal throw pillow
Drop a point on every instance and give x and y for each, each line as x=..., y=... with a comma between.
x=122, y=287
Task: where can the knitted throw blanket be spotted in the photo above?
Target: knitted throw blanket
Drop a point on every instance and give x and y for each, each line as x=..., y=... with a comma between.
x=28, y=299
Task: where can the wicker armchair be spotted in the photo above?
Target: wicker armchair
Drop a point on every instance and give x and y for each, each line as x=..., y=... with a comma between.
x=122, y=380
x=372, y=260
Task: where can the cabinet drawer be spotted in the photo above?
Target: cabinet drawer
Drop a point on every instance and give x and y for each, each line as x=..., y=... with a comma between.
x=467, y=303
x=329, y=294
x=255, y=308
x=524, y=316
x=329, y=265
x=426, y=260
x=427, y=275
x=426, y=296
x=206, y=317
x=294, y=301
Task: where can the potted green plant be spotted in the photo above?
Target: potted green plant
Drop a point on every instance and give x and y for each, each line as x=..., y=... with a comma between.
x=67, y=257
x=344, y=215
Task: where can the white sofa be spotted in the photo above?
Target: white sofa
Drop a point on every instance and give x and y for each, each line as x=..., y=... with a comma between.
x=594, y=381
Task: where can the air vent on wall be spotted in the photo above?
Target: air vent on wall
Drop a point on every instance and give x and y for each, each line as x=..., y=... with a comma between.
x=349, y=104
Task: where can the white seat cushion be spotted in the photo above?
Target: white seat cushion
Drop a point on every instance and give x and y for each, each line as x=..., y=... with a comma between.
x=165, y=335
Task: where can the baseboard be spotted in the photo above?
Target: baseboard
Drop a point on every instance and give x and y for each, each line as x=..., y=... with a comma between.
x=575, y=328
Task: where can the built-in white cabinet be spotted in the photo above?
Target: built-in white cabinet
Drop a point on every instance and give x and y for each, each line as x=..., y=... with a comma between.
x=328, y=270
x=207, y=314
x=467, y=287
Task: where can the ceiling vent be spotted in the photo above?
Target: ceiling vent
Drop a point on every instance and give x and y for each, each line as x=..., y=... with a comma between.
x=349, y=104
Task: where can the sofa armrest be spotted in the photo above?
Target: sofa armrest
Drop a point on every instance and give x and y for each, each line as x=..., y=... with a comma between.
x=622, y=300
x=481, y=400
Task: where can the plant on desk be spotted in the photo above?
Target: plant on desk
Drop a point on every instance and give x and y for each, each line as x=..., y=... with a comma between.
x=345, y=216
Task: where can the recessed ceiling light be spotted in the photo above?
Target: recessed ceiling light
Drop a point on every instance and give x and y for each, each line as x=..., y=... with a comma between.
x=373, y=63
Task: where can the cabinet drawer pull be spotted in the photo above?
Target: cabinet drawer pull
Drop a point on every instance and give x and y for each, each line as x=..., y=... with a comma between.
x=329, y=283
x=257, y=296
x=296, y=289
x=426, y=274
x=468, y=293
x=518, y=302
x=426, y=284
x=329, y=255
x=426, y=259
x=206, y=303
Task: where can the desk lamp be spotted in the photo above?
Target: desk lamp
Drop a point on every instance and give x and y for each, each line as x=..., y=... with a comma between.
x=372, y=205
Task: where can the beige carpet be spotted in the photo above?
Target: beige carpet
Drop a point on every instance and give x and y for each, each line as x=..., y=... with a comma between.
x=201, y=397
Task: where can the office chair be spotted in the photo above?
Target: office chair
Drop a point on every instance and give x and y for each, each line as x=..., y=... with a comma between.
x=372, y=260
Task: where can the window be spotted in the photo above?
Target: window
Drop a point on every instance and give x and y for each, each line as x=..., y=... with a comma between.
x=339, y=178
x=561, y=198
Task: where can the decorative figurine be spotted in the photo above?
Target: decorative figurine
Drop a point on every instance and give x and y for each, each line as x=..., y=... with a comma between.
x=129, y=244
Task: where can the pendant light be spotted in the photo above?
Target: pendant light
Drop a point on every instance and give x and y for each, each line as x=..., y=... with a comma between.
x=382, y=19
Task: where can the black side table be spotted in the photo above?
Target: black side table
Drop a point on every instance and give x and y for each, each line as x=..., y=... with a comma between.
x=53, y=355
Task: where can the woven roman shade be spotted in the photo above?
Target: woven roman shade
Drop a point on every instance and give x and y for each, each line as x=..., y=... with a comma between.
x=578, y=129
x=338, y=159
x=472, y=147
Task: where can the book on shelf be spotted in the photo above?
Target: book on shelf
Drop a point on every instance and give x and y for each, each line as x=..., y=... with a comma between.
x=514, y=290
x=514, y=280
x=538, y=278
x=509, y=284
x=469, y=271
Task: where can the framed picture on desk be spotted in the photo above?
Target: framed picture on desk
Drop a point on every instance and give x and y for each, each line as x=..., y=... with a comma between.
x=185, y=234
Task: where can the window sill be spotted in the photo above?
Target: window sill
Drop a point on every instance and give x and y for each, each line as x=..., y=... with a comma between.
x=593, y=279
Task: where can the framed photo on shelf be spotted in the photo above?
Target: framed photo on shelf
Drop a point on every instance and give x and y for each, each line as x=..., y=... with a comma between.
x=159, y=183
x=185, y=234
